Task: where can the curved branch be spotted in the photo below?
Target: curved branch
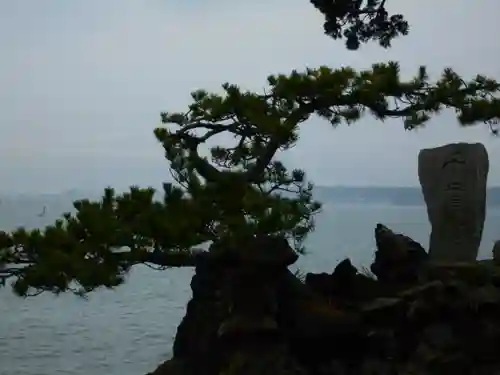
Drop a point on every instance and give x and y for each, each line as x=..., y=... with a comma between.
x=202, y=166
x=127, y=259
x=292, y=99
x=255, y=174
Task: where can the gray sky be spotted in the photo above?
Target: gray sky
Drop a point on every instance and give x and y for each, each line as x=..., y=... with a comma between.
x=82, y=84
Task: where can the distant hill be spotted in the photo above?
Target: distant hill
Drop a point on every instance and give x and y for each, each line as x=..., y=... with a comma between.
x=397, y=196
x=26, y=209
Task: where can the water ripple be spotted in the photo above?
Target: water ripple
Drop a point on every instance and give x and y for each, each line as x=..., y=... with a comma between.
x=126, y=331
x=129, y=331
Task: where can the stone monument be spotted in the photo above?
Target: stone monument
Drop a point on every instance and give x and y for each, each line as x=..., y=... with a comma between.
x=496, y=252
x=453, y=180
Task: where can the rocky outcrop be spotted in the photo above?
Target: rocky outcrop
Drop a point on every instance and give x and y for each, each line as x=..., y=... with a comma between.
x=251, y=315
x=398, y=258
x=230, y=324
x=345, y=285
x=496, y=252
x=197, y=333
x=453, y=179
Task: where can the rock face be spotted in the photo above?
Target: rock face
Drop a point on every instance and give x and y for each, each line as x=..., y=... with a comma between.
x=398, y=258
x=197, y=332
x=345, y=285
x=496, y=252
x=230, y=324
x=251, y=315
x=453, y=179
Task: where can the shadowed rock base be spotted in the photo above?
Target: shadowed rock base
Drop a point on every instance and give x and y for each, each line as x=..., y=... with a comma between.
x=410, y=316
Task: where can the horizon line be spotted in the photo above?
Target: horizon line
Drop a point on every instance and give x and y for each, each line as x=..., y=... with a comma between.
x=93, y=191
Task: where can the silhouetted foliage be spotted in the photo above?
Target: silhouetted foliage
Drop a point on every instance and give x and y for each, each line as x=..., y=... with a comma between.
x=243, y=190
x=359, y=21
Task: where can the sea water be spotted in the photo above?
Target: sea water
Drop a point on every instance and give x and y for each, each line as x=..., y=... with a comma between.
x=130, y=330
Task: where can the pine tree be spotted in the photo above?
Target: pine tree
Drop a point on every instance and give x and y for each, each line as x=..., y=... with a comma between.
x=241, y=191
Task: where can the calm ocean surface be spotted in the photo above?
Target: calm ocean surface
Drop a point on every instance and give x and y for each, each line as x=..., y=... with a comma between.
x=129, y=331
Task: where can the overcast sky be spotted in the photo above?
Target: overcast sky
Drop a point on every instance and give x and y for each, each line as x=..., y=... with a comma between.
x=82, y=84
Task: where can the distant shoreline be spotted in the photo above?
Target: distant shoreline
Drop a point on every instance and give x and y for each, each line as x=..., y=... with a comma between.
x=390, y=195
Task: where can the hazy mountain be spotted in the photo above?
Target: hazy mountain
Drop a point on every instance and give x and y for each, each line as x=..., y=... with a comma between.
x=35, y=210
x=398, y=196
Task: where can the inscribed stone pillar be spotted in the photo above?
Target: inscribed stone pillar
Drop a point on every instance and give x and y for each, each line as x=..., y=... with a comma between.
x=453, y=180
x=496, y=252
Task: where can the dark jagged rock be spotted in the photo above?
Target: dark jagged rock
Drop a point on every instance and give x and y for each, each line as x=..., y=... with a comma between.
x=233, y=307
x=346, y=286
x=398, y=258
x=198, y=331
x=250, y=337
x=345, y=271
x=260, y=358
x=314, y=327
x=240, y=325
x=251, y=315
x=320, y=283
x=172, y=367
